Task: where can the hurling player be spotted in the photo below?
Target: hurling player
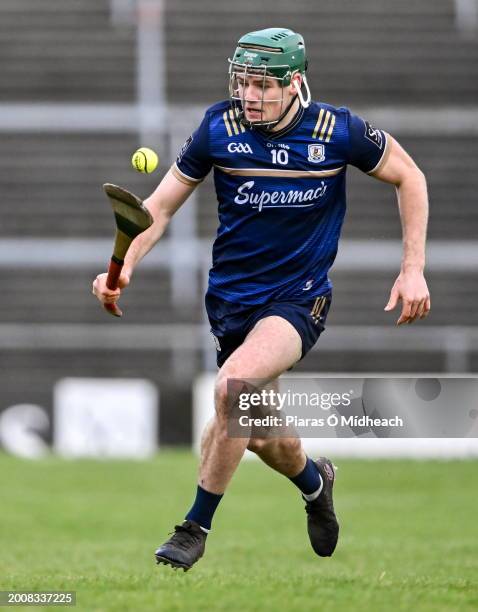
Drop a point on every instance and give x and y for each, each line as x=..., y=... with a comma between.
x=279, y=162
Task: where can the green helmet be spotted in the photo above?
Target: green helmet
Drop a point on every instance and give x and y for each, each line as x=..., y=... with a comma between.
x=274, y=52
x=280, y=50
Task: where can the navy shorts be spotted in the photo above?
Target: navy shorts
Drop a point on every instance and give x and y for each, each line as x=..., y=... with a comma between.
x=230, y=323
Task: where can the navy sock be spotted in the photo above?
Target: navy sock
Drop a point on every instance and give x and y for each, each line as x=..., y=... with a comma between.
x=203, y=508
x=309, y=480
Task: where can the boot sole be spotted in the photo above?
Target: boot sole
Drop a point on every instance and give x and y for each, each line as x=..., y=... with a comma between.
x=174, y=564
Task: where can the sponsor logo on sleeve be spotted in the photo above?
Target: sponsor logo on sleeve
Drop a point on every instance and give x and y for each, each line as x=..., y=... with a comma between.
x=373, y=134
x=184, y=148
x=216, y=342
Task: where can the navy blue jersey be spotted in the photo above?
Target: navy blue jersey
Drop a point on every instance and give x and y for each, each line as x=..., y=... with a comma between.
x=281, y=197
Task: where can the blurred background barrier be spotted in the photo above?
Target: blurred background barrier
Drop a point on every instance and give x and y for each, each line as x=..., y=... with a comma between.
x=85, y=83
x=105, y=417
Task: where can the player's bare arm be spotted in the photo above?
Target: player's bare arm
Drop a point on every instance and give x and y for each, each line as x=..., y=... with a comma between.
x=162, y=204
x=410, y=286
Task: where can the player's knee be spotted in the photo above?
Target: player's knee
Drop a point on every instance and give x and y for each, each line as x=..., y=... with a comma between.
x=221, y=396
x=256, y=445
x=286, y=447
x=225, y=394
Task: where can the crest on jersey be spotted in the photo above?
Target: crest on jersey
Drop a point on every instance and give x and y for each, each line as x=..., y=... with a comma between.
x=316, y=153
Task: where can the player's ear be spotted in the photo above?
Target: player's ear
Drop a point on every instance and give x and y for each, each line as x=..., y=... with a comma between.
x=296, y=82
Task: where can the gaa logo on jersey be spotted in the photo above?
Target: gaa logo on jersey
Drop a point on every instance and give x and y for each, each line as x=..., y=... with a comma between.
x=241, y=147
x=316, y=153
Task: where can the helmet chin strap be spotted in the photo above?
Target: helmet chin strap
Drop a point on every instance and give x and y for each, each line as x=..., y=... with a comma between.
x=305, y=103
x=272, y=124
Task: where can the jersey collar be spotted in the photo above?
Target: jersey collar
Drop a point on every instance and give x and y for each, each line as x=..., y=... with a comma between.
x=285, y=130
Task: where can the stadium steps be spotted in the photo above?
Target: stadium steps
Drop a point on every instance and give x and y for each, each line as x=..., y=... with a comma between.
x=380, y=51
x=43, y=295
x=64, y=51
x=376, y=361
x=449, y=165
x=359, y=298
x=64, y=296
x=374, y=50
x=56, y=189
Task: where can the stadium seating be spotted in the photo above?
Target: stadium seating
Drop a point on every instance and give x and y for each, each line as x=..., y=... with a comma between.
x=63, y=296
x=64, y=52
x=372, y=52
x=56, y=190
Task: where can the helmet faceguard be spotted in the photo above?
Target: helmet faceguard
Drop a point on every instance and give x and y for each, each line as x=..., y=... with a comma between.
x=275, y=53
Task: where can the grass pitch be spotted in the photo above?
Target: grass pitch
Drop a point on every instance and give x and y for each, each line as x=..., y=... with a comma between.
x=409, y=537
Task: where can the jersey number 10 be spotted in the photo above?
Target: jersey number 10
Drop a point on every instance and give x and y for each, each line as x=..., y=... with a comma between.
x=280, y=156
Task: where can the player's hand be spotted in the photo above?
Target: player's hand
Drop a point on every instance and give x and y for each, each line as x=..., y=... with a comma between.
x=105, y=295
x=411, y=288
